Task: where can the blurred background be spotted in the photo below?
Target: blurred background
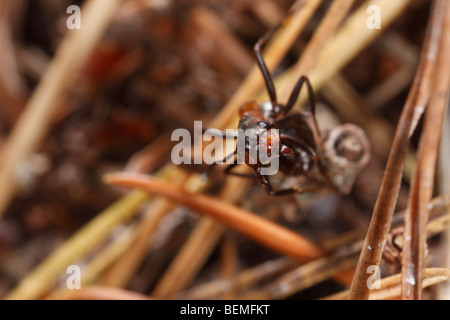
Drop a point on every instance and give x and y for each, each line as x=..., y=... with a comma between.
x=158, y=66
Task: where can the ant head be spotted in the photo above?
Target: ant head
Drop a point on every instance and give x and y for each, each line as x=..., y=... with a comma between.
x=260, y=143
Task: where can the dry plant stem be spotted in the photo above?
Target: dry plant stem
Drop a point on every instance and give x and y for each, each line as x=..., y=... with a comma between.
x=229, y=264
x=438, y=225
x=103, y=293
x=40, y=280
x=304, y=277
x=246, y=91
x=149, y=157
x=423, y=181
x=185, y=265
x=244, y=279
x=336, y=13
x=235, y=52
x=387, y=197
x=11, y=86
x=440, y=210
x=270, y=234
x=318, y=270
x=107, y=256
x=100, y=262
x=267, y=11
x=33, y=124
x=275, y=51
x=123, y=269
x=390, y=287
x=444, y=187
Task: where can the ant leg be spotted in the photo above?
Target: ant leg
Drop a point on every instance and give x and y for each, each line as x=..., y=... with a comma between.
x=301, y=144
x=237, y=174
x=212, y=165
x=267, y=185
x=296, y=93
x=262, y=66
x=312, y=103
x=310, y=151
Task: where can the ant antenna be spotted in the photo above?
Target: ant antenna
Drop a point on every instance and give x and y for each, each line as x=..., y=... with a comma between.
x=263, y=67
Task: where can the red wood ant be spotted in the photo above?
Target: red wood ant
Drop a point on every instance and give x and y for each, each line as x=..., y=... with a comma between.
x=298, y=137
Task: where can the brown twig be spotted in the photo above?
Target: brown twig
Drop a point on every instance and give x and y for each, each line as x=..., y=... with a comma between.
x=200, y=244
x=387, y=197
x=228, y=45
x=120, y=273
x=271, y=235
x=390, y=286
x=305, y=276
x=423, y=181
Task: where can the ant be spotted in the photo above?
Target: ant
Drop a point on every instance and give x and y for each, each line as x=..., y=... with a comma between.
x=297, y=137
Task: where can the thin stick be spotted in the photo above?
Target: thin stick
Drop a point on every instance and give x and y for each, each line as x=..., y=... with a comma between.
x=423, y=181
x=390, y=286
x=387, y=197
x=304, y=277
x=122, y=271
x=271, y=235
x=228, y=263
x=99, y=262
x=228, y=45
x=33, y=124
x=440, y=209
x=184, y=267
x=335, y=15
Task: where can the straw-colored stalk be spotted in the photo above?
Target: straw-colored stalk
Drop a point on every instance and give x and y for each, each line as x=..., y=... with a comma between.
x=384, y=207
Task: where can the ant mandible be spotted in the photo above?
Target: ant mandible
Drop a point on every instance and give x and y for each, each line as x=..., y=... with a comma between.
x=297, y=135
